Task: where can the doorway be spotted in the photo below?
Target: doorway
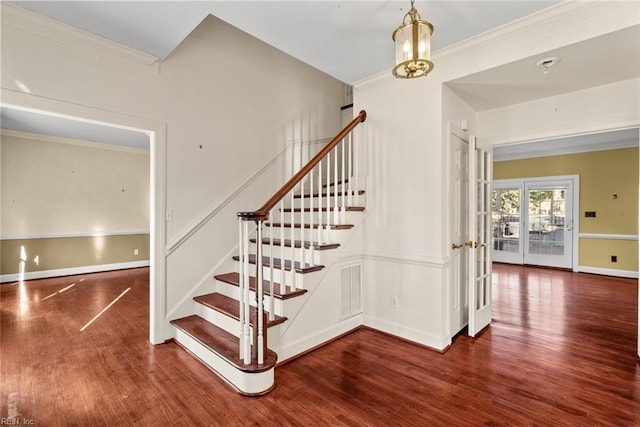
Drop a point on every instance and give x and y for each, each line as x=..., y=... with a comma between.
x=156, y=132
x=533, y=221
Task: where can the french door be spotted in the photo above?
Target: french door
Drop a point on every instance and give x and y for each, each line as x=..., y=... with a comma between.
x=533, y=221
x=470, y=291
x=479, y=243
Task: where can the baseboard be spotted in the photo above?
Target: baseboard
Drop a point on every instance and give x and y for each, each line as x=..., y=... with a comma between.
x=609, y=272
x=316, y=340
x=4, y=278
x=410, y=334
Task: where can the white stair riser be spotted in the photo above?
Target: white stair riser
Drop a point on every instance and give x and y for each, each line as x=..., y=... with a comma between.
x=313, y=257
x=221, y=320
x=356, y=200
x=291, y=278
x=232, y=291
x=346, y=217
x=248, y=383
x=323, y=235
x=227, y=323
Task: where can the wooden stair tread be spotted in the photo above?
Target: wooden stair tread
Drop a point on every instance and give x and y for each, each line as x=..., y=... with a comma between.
x=231, y=308
x=234, y=279
x=331, y=208
x=266, y=262
x=298, y=244
x=222, y=343
x=298, y=225
x=333, y=194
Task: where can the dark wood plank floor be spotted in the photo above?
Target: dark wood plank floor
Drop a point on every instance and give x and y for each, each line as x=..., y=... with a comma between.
x=560, y=352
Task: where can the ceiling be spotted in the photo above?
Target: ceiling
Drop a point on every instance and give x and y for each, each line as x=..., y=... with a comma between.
x=26, y=121
x=348, y=39
x=598, y=61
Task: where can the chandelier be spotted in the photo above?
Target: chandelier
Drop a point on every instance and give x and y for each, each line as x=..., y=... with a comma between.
x=413, y=46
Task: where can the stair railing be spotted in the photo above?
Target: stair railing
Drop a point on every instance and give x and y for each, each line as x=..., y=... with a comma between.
x=329, y=181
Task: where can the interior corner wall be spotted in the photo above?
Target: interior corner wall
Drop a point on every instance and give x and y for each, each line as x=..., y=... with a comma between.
x=225, y=121
x=614, y=230
x=71, y=205
x=405, y=239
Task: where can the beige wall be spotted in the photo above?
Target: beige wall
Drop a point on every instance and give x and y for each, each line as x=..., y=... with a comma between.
x=225, y=104
x=55, y=187
x=61, y=253
x=602, y=174
x=57, y=194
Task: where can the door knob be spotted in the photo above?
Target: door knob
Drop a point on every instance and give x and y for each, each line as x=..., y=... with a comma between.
x=472, y=245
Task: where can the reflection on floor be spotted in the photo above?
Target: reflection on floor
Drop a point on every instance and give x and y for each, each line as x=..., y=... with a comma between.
x=560, y=352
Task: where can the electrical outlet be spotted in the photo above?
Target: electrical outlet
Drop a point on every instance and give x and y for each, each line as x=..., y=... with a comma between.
x=614, y=258
x=135, y=251
x=394, y=301
x=170, y=215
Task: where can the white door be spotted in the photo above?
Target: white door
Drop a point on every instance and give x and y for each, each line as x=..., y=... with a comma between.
x=459, y=183
x=533, y=221
x=549, y=223
x=479, y=241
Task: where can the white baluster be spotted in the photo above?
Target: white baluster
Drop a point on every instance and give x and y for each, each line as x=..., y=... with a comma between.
x=282, y=249
x=292, y=238
x=241, y=286
x=320, y=229
x=350, y=172
x=271, y=250
x=303, y=230
x=343, y=185
x=259, y=294
x=328, y=197
x=336, y=188
x=312, y=259
x=245, y=294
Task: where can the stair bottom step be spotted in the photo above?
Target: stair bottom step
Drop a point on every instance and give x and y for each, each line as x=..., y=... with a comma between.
x=222, y=343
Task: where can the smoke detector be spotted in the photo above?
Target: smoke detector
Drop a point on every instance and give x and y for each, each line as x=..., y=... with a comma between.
x=547, y=63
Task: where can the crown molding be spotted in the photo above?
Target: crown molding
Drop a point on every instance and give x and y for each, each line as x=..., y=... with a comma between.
x=621, y=14
x=51, y=29
x=71, y=141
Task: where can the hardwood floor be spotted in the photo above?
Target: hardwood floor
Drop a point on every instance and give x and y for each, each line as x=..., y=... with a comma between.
x=561, y=351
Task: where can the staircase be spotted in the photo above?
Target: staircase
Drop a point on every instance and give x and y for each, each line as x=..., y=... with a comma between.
x=284, y=250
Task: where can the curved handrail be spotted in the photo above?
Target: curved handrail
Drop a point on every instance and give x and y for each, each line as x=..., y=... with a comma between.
x=263, y=212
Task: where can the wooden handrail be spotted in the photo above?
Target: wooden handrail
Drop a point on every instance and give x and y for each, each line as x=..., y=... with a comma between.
x=263, y=212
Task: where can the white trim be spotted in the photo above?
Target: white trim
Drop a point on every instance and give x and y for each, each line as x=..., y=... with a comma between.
x=4, y=278
x=561, y=150
x=608, y=236
x=318, y=338
x=77, y=234
x=406, y=259
x=51, y=29
x=608, y=272
x=245, y=382
x=72, y=141
x=412, y=334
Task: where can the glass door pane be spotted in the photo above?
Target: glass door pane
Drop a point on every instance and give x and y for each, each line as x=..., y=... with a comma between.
x=548, y=239
x=505, y=225
x=546, y=221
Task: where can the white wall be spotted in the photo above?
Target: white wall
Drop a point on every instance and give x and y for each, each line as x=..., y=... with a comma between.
x=224, y=120
x=607, y=107
x=408, y=204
